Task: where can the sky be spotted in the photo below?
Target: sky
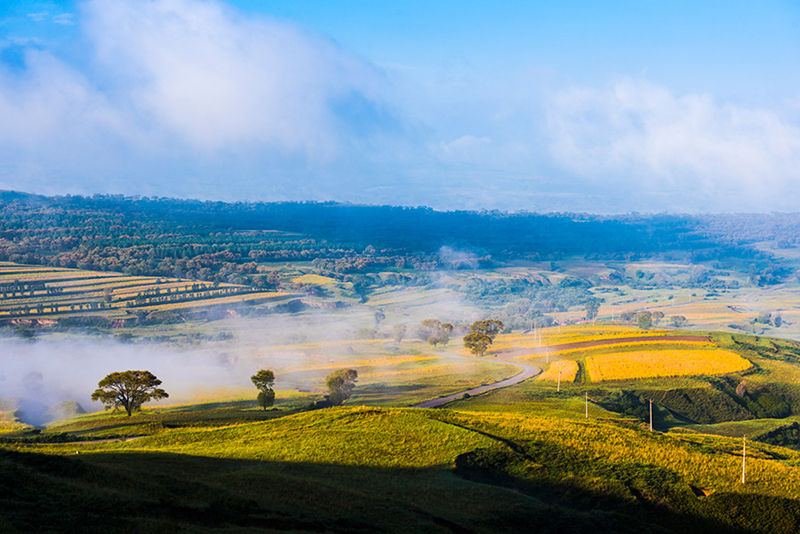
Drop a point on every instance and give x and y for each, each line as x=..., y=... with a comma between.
x=603, y=107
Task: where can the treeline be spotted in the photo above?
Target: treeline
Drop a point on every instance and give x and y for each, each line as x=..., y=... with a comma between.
x=226, y=242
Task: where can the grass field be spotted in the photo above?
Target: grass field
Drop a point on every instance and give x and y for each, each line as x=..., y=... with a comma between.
x=408, y=470
x=314, y=279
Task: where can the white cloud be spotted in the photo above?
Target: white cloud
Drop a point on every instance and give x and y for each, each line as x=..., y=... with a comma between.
x=49, y=102
x=64, y=18
x=636, y=129
x=188, y=98
x=215, y=79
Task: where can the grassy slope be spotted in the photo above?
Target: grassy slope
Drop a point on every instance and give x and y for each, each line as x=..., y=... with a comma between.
x=401, y=470
x=504, y=461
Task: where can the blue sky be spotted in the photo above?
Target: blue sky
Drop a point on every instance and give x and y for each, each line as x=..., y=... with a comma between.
x=542, y=106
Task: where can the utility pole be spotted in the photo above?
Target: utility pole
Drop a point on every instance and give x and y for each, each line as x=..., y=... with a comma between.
x=744, y=455
x=586, y=395
x=548, y=354
x=559, y=378
x=651, y=415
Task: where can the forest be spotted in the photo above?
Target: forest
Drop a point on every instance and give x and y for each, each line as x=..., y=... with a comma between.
x=227, y=242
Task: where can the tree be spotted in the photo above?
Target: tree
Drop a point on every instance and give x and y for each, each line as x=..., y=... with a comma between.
x=129, y=390
x=644, y=320
x=481, y=335
x=677, y=320
x=657, y=316
x=592, y=308
x=399, y=332
x=477, y=343
x=263, y=380
x=434, y=332
x=489, y=327
x=340, y=385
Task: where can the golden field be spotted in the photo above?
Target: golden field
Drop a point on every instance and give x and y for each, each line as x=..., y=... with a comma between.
x=663, y=363
x=569, y=370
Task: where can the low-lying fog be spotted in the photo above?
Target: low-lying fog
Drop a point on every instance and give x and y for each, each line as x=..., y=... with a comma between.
x=49, y=371
x=40, y=373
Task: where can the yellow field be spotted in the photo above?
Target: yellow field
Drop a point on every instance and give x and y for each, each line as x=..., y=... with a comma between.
x=656, y=344
x=571, y=334
x=313, y=279
x=663, y=363
x=569, y=370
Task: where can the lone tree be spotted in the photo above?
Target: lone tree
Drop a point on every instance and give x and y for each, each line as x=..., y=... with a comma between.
x=263, y=380
x=592, y=309
x=129, y=390
x=481, y=335
x=340, y=385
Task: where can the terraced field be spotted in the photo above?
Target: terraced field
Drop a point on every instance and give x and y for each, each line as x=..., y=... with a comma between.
x=32, y=292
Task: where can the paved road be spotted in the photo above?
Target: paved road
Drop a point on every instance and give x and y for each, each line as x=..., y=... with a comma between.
x=528, y=371
x=754, y=294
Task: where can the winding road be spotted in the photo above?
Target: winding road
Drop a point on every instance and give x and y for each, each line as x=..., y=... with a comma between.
x=529, y=371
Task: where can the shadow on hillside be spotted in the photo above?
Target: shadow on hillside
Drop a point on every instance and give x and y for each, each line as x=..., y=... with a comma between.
x=165, y=493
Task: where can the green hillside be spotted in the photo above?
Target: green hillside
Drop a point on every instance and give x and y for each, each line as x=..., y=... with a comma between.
x=363, y=469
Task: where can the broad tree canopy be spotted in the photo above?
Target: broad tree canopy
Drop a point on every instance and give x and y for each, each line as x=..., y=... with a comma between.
x=263, y=380
x=129, y=390
x=340, y=385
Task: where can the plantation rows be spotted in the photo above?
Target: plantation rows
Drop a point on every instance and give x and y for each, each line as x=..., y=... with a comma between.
x=42, y=292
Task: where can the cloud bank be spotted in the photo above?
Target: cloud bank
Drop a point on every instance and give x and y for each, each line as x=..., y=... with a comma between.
x=690, y=143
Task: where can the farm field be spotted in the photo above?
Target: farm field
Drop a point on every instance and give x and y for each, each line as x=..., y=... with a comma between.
x=667, y=362
x=52, y=293
x=564, y=371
